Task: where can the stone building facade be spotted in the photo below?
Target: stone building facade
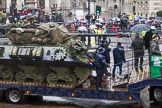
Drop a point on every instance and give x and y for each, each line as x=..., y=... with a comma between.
x=143, y=8
x=110, y=8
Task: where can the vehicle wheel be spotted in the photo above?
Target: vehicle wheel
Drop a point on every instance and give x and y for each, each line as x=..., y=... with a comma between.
x=14, y=96
x=158, y=94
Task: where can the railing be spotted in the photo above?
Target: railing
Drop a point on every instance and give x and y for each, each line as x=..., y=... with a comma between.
x=129, y=75
x=93, y=40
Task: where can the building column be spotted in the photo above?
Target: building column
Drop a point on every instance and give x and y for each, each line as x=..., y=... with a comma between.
x=8, y=4
x=19, y=4
x=47, y=5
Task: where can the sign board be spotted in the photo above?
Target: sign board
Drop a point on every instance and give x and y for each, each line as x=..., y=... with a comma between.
x=156, y=65
x=79, y=14
x=19, y=5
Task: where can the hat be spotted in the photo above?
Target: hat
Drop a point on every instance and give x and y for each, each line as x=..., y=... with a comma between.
x=100, y=50
x=154, y=36
x=105, y=42
x=119, y=43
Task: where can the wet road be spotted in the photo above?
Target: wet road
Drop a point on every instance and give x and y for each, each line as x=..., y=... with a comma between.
x=57, y=102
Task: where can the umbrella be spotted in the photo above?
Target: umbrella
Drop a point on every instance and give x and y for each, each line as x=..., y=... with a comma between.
x=83, y=21
x=98, y=24
x=92, y=27
x=25, y=7
x=82, y=28
x=138, y=18
x=140, y=27
x=100, y=20
x=116, y=19
x=142, y=20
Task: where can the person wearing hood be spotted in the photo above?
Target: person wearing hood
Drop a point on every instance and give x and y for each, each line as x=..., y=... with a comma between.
x=119, y=59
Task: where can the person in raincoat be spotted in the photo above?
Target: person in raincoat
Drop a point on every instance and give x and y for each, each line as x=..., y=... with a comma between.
x=138, y=47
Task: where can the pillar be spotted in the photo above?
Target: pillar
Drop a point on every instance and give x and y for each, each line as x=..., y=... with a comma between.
x=47, y=5
x=8, y=4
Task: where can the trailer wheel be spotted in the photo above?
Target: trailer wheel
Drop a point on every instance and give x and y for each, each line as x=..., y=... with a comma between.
x=14, y=96
x=158, y=94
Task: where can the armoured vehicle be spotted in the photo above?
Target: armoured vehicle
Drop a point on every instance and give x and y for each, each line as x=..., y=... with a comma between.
x=45, y=55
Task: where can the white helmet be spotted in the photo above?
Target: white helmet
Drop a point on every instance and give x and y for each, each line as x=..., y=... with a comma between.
x=19, y=30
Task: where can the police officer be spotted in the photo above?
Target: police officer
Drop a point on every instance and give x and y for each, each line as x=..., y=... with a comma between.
x=101, y=66
x=105, y=44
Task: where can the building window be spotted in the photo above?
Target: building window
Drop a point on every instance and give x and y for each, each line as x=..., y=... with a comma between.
x=141, y=14
x=0, y=2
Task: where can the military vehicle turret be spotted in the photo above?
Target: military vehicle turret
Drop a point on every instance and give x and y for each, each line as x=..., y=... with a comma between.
x=45, y=55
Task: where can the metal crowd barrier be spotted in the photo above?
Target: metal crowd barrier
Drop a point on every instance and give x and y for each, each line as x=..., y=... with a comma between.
x=94, y=40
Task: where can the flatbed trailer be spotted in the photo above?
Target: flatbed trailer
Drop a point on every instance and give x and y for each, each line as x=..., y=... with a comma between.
x=15, y=92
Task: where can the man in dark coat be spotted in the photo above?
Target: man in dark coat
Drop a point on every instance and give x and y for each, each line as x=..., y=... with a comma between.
x=105, y=44
x=148, y=37
x=138, y=47
x=101, y=66
x=119, y=58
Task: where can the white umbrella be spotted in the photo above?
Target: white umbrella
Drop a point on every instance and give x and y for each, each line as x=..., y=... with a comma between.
x=92, y=27
x=82, y=29
x=100, y=20
x=116, y=19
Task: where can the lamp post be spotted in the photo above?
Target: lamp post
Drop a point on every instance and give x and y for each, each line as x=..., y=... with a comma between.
x=89, y=7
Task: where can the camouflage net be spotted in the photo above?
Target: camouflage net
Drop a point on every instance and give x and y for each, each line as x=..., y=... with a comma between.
x=47, y=33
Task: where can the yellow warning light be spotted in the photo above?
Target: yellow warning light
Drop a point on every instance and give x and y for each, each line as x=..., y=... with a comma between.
x=130, y=97
x=72, y=94
x=27, y=92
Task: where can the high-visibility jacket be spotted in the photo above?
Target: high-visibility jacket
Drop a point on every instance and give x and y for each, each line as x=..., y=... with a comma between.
x=100, y=31
x=143, y=33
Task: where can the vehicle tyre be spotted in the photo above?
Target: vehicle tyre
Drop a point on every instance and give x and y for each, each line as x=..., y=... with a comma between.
x=14, y=96
x=158, y=95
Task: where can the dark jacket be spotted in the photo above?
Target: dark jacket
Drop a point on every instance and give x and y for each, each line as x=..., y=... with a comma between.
x=137, y=45
x=119, y=55
x=106, y=53
x=147, y=38
x=100, y=64
x=154, y=48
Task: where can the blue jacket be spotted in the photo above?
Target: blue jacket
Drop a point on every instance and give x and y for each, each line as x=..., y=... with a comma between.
x=100, y=64
x=119, y=55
